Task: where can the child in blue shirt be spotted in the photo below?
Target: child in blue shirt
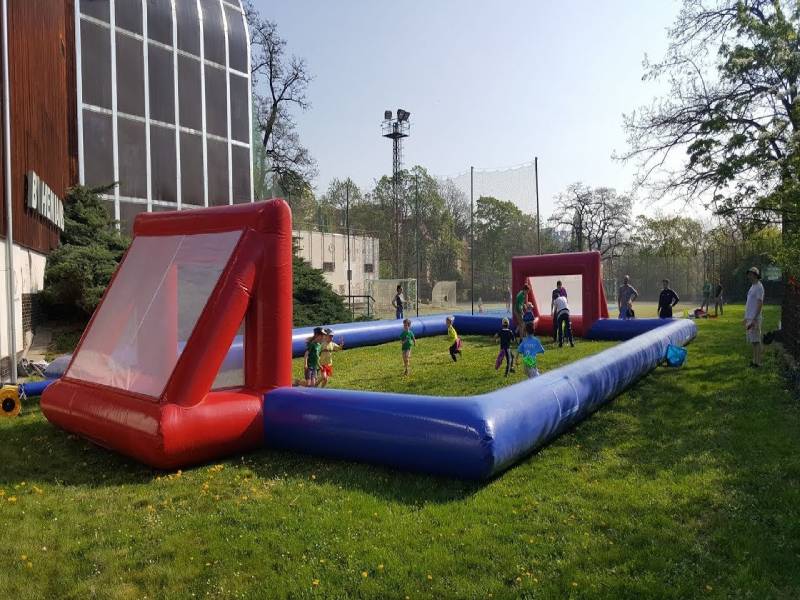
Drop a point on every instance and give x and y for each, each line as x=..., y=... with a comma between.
x=528, y=348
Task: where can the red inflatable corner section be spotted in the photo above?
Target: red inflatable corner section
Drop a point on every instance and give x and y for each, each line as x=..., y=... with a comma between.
x=188, y=423
x=585, y=264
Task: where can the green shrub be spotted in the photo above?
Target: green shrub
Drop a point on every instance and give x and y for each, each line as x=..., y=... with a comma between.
x=79, y=270
x=315, y=302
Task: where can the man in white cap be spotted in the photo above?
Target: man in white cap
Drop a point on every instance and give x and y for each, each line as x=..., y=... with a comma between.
x=752, y=314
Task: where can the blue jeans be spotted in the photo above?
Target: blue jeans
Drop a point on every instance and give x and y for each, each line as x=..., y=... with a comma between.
x=624, y=313
x=398, y=313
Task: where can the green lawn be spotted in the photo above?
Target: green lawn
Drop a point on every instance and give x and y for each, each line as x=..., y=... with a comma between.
x=687, y=485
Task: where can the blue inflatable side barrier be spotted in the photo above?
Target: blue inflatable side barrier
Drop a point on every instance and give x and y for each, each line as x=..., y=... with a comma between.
x=623, y=329
x=372, y=333
x=473, y=437
x=35, y=388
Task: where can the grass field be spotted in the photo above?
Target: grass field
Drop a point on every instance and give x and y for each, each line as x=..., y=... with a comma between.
x=687, y=485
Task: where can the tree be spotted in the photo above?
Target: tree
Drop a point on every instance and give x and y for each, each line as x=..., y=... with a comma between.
x=595, y=219
x=315, y=302
x=501, y=231
x=734, y=113
x=78, y=271
x=668, y=236
x=280, y=84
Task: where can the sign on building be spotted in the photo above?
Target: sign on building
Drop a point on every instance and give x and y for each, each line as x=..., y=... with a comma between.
x=43, y=200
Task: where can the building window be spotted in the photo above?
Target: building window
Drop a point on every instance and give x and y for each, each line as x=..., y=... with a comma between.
x=368, y=268
x=328, y=267
x=170, y=118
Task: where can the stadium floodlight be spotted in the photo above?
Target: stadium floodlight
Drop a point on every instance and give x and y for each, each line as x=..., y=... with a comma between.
x=402, y=115
x=387, y=114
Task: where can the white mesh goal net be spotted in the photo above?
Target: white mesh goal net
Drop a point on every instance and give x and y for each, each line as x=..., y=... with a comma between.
x=444, y=294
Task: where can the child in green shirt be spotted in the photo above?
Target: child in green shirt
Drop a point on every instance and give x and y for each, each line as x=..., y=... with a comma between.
x=311, y=357
x=408, y=341
x=452, y=335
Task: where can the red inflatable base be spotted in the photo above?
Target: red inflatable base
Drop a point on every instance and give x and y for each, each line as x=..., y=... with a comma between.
x=164, y=436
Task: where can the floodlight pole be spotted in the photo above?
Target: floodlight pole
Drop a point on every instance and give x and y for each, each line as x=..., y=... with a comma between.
x=396, y=128
x=471, y=240
x=538, y=218
x=347, y=227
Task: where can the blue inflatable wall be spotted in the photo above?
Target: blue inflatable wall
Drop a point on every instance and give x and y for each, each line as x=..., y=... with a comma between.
x=372, y=333
x=623, y=329
x=468, y=437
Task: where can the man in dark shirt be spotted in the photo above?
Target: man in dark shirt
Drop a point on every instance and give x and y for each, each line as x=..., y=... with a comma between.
x=718, y=299
x=666, y=300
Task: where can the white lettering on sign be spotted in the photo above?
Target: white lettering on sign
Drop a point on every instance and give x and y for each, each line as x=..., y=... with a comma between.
x=43, y=200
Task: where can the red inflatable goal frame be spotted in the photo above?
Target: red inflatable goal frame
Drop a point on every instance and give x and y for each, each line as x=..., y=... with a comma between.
x=187, y=423
x=585, y=264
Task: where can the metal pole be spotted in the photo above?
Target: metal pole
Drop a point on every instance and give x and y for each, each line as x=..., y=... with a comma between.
x=416, y=233
x=471, y=240
x=538, y=219
x=12, y=338
x=347, y=226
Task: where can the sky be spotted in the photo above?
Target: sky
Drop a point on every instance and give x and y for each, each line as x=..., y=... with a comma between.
x=488, y=84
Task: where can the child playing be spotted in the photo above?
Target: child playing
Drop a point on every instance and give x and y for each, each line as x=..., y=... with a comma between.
x=506, y=337
x=326, y=356
x=408, y=340
x=529, y=347
x=528, y=316
x=311, y=357
x=452, y=335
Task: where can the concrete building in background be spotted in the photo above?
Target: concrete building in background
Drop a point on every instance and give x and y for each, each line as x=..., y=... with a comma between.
x=328, y=252
x=152, y=94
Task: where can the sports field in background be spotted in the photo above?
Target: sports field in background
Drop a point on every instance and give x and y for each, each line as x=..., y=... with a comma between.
x=685, y=486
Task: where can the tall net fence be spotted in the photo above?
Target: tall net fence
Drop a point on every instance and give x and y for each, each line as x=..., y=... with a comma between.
x=503, y=224
x=724, y=265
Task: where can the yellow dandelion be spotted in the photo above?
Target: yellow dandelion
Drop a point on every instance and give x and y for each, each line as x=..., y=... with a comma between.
x=313, y=476
x=179, y=473
x=374, y=514
x=23, y=557
x=430, y=577
x=380, y=567
x=12, y=499
x=205, y=486
x=2, y=493
x=322, y=561
x=30, y=565
x=574, y=584
x=709, y=588
x=315, y=582
x=364, y=574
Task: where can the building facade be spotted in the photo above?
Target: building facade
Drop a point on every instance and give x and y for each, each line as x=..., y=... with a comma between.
x=153, y=95
x=164, y=103
x=328, y=252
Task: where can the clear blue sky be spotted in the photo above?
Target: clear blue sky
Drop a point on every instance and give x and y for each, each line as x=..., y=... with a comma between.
x=488, y=84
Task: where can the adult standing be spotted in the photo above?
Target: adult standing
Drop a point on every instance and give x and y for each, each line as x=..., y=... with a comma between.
x=520, y=300
x=752, y=314
x=399, y=302
x=509, y=298
x=718, y=298
x=559, y=292
x=563, y=323
x=667, y=299
x=706, y=296
x=625, y=297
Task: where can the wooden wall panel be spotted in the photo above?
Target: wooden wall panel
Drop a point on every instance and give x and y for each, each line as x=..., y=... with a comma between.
x=43, y=113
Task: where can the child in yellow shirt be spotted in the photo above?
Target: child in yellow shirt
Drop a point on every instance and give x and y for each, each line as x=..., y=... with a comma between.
x=455, y=341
